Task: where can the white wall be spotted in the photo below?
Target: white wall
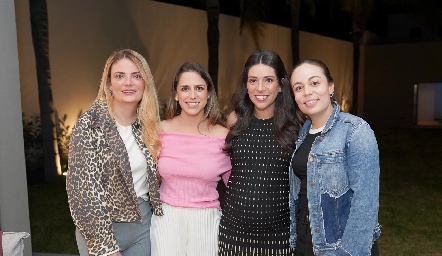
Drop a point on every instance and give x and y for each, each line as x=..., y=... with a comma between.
x=429, y=104
x=426, y=102
x=83, y=34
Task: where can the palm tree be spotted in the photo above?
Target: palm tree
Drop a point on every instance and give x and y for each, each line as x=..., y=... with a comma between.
x=359, y=11
x=213, y=10
x=40, y=38
x=253, y=13
x=295, y=7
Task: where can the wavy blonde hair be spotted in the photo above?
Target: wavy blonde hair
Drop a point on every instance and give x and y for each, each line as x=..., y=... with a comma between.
x=148, y=110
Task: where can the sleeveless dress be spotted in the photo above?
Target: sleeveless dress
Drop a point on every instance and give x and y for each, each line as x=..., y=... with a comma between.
x=255, y=218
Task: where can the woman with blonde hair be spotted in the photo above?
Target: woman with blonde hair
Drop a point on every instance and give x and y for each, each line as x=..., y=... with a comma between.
x=112, y=181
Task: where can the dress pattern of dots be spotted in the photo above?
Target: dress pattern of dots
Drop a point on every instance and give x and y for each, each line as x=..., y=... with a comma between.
x=255, y=218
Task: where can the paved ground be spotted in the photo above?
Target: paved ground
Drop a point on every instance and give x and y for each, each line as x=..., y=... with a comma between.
x=51, y=254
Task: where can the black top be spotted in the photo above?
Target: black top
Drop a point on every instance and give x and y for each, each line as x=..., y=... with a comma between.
x=299, y=164
x=256, y=210
x=304, y=243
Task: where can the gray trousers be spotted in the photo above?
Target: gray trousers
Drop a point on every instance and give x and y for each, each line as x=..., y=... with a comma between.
x=133, y=238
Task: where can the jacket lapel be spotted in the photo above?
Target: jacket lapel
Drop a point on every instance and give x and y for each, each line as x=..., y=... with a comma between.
x=116, y=144
x=151, y=171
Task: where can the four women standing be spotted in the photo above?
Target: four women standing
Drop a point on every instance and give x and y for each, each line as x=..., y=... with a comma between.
x=329, y=194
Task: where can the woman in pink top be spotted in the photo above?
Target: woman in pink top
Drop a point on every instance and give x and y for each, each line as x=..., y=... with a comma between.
x=191, y=163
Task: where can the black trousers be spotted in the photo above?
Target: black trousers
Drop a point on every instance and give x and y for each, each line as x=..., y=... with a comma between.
x=304, y=244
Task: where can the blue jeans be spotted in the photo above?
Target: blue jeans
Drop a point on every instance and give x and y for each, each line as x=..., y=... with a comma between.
x=133, y=238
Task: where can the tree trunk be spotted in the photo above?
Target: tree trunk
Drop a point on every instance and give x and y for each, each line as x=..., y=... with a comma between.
x=357, y=37
x=40, y=38
x=295, y=6
x=213, y=39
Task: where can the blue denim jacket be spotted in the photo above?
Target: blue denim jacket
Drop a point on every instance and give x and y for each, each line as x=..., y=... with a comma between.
x=342, y=187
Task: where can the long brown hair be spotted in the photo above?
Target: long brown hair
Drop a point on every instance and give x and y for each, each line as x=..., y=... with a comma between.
x=287, y=122
x=211, y=110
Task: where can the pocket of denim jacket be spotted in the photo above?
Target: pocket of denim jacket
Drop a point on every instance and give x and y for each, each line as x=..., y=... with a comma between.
x=333, y=177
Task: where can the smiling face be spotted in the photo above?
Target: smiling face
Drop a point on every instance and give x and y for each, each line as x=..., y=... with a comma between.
x=263, y=88
x=312, y=93
x=126, y=83
x=192, y=94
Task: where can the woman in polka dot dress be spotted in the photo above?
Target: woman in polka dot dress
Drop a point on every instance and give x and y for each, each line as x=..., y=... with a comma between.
x=264, y=127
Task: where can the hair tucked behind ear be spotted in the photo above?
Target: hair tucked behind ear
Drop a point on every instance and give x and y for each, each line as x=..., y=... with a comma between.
x=322, y=66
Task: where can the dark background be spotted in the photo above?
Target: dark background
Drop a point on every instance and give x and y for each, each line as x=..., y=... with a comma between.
x=328, y=20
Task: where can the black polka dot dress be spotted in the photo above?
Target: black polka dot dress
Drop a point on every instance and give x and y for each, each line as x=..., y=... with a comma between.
x=255, y=218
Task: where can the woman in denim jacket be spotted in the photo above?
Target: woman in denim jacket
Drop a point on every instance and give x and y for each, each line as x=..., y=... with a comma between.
x=334, y=173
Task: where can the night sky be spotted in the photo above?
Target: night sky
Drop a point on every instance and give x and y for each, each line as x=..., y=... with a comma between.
x=326, y=20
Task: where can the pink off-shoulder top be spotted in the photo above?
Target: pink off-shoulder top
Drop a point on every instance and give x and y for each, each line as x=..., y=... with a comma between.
x=190, y=166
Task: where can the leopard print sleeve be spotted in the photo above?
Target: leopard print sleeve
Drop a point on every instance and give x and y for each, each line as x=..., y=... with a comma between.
x=84, y=189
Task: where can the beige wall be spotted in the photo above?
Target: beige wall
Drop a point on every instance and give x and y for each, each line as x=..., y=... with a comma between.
x=390, y=73
x=83, y=34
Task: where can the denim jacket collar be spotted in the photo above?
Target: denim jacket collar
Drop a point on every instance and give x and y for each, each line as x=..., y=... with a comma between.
x=330, y=122
x=355, y=181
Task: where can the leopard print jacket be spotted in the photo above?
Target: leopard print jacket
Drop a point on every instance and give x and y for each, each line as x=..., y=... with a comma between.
x=99, y=183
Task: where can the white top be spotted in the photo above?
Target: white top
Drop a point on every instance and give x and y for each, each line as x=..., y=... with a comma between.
x=314, y=131
x=137, y=161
